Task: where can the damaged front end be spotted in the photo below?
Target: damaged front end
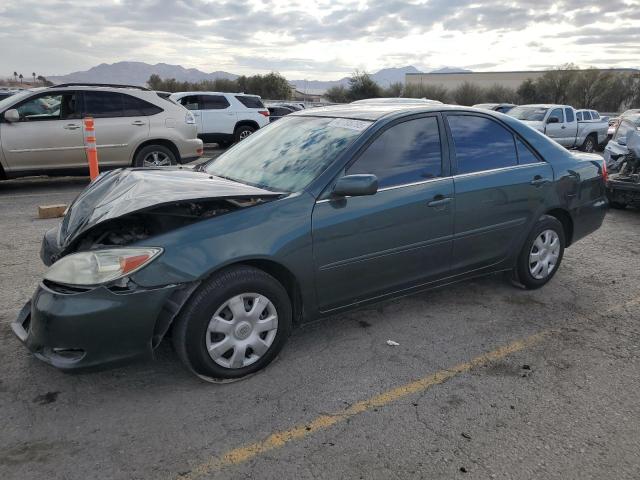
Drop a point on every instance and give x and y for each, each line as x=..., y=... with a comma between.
x=88, y=311
x=623, y=188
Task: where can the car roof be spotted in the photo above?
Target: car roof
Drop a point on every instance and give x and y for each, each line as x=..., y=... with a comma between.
x=633, y=118
x=545, y=105
x=215, y=93
x=374, y=112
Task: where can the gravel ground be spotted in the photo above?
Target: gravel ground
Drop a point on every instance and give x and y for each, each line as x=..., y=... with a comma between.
x=564, y=406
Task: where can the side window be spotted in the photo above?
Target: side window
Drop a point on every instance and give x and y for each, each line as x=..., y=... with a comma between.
x=214, y=102
x=405, y=153
x=250, y=101
x=191, y=102
x=525, y=155
x=54, y=106
x=481, y=144
x=136, y=107
x=623, y=129
x=103, y=104
x=557, y=113
x=595, y=115
x=569, y=113
x=579, y=116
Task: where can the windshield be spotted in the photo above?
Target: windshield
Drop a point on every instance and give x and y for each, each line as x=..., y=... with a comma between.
x=288, y=154
x=532, y=114
x=7, y=102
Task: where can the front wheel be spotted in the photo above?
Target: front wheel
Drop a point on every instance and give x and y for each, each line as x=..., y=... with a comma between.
x=542, y=253
x=234, y=325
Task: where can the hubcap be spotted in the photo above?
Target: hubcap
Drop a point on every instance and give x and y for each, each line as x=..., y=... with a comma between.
x=589, y=146
x=544, y=254
x=156, y=159
x=244, y=134
x=242, y=330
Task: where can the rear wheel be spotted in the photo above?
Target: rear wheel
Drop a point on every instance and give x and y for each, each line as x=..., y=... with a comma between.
x=243, y=132
x=154, y=156
x=234, y=325
x=590, y=144
x=542, y=253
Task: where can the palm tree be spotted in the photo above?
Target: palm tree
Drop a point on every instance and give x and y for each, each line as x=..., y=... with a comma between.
x=34, y=77
x=15, y=76
x=20, y=77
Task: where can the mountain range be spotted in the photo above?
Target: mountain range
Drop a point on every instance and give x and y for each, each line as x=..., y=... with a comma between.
x=137, y=73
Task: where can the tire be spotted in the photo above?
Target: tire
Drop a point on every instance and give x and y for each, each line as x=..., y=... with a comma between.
x=590, y=144
x=243, y=132
x=618, y=205
x=527, y=270
x=154, y=156
x=196, y=331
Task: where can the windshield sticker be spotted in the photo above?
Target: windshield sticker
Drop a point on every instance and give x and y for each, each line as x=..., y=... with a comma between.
x=357, y=125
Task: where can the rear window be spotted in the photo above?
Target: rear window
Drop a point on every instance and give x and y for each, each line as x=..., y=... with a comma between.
x=569, y=113
x=136, y=107
x=250, y=101
x=586, y=116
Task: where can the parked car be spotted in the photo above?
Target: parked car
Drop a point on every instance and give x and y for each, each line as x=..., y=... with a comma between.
x=41, y=130
x=321, y=212
x=224, y=118
x=292, y=106
x=617, y=148
x=496, y=107
x=396, y=101
x=623, y=188
x=276, y=112
x=6, y=94
x=559, y=122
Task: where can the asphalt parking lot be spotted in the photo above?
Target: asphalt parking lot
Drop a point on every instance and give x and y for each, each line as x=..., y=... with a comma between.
x=488, y=381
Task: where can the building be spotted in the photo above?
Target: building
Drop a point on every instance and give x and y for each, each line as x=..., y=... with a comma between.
x=486, y=79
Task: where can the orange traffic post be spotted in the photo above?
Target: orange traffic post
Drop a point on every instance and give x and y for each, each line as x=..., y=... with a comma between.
x=91, y=148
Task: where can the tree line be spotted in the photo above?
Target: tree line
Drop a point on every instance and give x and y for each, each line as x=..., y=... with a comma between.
x=269, y=86
x=567, y=84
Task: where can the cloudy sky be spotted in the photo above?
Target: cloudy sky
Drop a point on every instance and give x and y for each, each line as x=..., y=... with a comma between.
x=318, y=40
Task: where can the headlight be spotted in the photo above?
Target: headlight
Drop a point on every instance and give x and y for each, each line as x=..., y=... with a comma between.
x=100, y=266
x=189, y=119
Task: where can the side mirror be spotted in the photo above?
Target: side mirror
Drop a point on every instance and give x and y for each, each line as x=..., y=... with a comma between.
x=356, y=186
x=12, y=115
x=553, y=120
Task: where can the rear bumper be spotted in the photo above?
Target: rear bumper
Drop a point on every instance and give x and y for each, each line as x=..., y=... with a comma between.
x=190, y=150
x=90, y=329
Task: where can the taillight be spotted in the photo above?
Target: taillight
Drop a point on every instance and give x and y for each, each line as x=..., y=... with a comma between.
x=264, y=112
x=605, y=175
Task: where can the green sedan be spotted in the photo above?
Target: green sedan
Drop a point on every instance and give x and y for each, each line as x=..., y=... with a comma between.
x=323, y=211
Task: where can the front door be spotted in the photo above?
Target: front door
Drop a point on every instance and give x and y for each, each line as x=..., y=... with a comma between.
x=500, y=184
x=48, y=135
x=365, y=247
x=556, y=131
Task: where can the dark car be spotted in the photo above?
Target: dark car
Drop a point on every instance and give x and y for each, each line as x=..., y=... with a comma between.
x=323, y=211
x=277, y=112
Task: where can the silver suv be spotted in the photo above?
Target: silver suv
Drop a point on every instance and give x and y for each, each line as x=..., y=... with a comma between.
x=41, y=130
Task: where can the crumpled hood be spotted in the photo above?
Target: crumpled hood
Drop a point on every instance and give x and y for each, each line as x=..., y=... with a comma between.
x=121, y=192
x=534, y=124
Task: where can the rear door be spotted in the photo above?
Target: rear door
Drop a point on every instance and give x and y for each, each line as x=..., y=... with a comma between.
x=218, y=117
x=571, y=124
x=500, y=185
x=48, y=135
x=119, y=125
x=400, y=237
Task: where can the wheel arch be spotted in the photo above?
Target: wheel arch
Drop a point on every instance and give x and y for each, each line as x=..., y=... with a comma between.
x=564, y=217
x=246, y=123
x=157, y=141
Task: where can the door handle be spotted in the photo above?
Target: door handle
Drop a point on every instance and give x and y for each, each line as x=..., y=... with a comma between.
x=563, y=127
x=71, y=126
x=138, y=123
x=538, y=181
x=439, y=201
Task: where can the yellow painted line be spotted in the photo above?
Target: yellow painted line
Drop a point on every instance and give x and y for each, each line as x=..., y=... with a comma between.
x=279, y=439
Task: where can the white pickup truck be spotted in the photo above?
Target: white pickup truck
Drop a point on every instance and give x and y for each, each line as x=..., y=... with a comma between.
x=562, y=124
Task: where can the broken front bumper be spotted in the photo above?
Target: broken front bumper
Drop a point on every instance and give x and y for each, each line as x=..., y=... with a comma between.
x=76, y=330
